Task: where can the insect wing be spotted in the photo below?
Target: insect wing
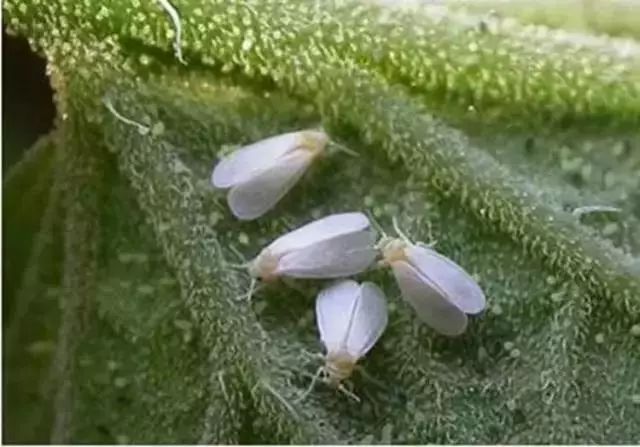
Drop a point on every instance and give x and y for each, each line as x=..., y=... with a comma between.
x=343, y=255
x=320, y=230
x=368, y=320
x=333, y=312
x=244, y=163
x=351, y=317
x=253, y=198
x=430, y=305
x=448, y=278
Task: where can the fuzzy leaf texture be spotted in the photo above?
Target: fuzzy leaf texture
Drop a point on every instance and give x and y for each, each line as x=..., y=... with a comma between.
x=488, y=135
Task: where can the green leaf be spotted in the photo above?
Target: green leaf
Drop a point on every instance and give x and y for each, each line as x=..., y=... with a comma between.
x=533, y=333
x=142, y=357
x=616, y=18
x=27, y=193
x=493, y=143
x=31, y=232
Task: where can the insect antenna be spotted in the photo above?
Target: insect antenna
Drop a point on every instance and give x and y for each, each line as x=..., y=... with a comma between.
x=253, y=285
x=339, y=147
x=236, y=266
x=312, y=355
x=240, y=256
x=400, y=233
x=376, y=224
x=383, y=235
x=432, y=242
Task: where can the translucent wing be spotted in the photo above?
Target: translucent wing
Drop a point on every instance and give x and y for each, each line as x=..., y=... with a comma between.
x=253, y=198
x=320, y=230
x=368, y=320
x=334, y=307
x=340, y=256
x=351, y=317
x=248, y=161
x=433, y=308
x=448, y=278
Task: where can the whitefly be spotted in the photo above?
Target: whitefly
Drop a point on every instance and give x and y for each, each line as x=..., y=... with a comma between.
x=335, y=246
x=351, y=317
x=260, y=174
x=441, y=292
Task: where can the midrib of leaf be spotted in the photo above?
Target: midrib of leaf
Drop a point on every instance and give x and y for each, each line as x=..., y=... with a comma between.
x=30, y=283
x=29, y=331
x=27, y=192
x=82, y=191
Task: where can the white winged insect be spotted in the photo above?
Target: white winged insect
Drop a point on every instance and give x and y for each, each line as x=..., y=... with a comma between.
x=351, y=317
x=334, y=246
x=439, y=290
x=260, y=174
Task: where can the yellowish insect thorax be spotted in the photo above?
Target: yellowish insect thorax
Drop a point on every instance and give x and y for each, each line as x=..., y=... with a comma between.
x=339, y=366
x=313, y=141
x=264, y=266
x=393, y=250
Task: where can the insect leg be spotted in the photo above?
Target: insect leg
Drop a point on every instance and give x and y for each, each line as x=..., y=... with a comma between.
x=312, y=385
x=348, y=393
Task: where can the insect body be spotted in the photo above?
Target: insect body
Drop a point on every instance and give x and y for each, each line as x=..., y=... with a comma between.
x=439, y=290
x=260, y=174
x=351, y=317
x=332, y=247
